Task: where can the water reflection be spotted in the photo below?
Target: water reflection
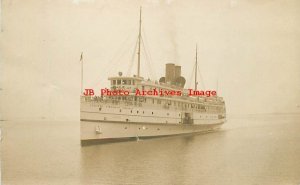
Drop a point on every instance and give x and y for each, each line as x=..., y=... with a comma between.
x=256, y=150
x=157, y=161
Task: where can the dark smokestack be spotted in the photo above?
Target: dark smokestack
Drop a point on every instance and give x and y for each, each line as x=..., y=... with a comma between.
x=177, y=71
x=170, y=72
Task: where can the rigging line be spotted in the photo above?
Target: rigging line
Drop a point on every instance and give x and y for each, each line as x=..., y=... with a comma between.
x=113, y=65
x=148, y=61
x=218, y=77
x=191, y=78
x=112, y=59
x=122, y=54
x=132, y=59
x=118, y=51
x=202, y=81
x=147, y=51
x=113, y=62
x=108, y=70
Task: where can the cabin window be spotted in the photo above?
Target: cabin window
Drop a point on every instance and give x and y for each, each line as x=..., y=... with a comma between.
x=141, y=99
x=153, y=101
x=137, y=112
x=133, y=82
x=118, y=82
x=124, y=82
x=158, y=101
x=152, y=113
x=143, y=88
x=113, y=82
x=129, y=82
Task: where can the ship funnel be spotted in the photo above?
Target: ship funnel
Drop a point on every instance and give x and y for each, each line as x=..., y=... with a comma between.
x=173, y=76
x=170, y=73
x=177, y=71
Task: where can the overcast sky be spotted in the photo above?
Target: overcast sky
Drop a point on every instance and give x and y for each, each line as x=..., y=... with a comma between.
x=247, y=49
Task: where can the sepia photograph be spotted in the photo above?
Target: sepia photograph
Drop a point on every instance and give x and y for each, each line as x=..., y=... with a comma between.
x=150, y=92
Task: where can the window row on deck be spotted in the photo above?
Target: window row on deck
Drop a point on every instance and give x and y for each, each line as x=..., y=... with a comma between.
x=170, y=103
x=122, y=82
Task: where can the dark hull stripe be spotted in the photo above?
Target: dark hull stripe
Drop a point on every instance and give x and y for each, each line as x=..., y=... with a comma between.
x=107, y=121
x=140, y=115
x=89, y=142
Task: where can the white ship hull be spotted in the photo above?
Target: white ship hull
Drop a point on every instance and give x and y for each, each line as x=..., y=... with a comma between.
x=104, y=127
x=104, y=132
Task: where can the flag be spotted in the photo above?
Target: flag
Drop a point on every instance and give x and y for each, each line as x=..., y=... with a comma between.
x=81, y=57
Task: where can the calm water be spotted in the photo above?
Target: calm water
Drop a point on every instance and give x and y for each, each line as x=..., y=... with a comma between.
x=257, y=150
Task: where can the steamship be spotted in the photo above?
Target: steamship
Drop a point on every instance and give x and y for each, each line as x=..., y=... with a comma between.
x=117, y=118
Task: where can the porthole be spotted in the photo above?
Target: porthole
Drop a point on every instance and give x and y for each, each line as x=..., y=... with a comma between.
x=152, y=112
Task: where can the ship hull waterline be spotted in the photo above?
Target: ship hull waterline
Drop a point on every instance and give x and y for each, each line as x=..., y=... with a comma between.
x=101, y=132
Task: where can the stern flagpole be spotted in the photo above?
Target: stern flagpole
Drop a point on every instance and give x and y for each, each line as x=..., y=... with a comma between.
x=81, y=61
x=196, y=68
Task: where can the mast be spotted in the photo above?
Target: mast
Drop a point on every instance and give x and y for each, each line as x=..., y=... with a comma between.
x=139, y=51
x=196, y=68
